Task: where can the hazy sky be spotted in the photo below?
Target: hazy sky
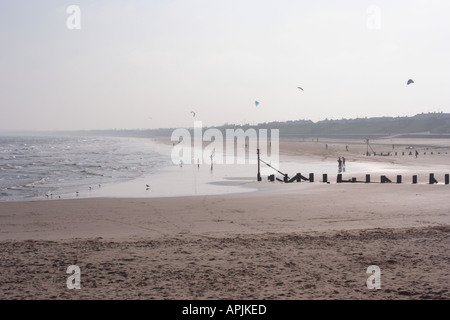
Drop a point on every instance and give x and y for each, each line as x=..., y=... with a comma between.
x=148, y=64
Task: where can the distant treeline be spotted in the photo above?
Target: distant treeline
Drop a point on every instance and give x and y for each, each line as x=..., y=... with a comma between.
x=436, y=124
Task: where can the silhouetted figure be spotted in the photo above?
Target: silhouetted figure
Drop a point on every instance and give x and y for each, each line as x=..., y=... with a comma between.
x=339, y=162
x=346, y=148
x=343, y=161
x=417, y=153
x=326, y=146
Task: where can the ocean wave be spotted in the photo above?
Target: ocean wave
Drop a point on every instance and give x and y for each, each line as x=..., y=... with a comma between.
x=36, y=182
x=9, y=166
x=91, y=173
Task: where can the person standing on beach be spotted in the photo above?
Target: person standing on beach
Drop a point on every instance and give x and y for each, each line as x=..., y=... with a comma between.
x=343, y=161
x=339, y=162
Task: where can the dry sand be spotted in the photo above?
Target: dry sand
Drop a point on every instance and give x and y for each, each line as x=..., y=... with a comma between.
x=284, y=241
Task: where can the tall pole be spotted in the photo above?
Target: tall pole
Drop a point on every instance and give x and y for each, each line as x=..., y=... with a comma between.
x=259, y=173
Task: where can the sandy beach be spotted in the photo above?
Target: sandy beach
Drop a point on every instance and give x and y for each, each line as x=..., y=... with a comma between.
x=282, y=241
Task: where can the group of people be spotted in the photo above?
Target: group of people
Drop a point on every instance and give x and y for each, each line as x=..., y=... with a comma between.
x=341, y=162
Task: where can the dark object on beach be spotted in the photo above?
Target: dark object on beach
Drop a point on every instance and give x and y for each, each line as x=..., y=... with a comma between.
x=432, y=180
x=409, y=82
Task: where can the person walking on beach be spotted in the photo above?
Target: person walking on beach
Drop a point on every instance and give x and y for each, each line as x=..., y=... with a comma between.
x=339, y=163
x=343, y=161
x=417, y=153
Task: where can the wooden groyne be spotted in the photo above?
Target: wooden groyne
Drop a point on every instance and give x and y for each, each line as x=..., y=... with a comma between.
x=432, y=179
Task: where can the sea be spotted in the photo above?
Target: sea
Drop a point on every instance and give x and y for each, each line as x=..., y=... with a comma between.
x=39, y=167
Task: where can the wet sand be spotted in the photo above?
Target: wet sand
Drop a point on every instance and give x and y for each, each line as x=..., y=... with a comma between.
x=283, y=241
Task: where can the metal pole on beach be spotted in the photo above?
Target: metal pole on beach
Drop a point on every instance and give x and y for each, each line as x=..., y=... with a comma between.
x=259, y=173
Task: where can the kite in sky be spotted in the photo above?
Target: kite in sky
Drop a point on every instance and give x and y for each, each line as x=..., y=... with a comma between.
x=256, y=103
x=409, y=82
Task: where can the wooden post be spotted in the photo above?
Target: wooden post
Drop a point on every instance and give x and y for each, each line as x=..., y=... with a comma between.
x=414, y=179
x=339, y=178
x=432, y=179
x=299, y=177
x=385, y=179
x=311, y=177
x=399, y=179
x=259, y=172
x=325, y=178
x=447, y=179
x=367, y=178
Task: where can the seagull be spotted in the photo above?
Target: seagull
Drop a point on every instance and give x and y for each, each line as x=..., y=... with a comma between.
x=193, y=113
x=300, y=88
x=409, y=82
